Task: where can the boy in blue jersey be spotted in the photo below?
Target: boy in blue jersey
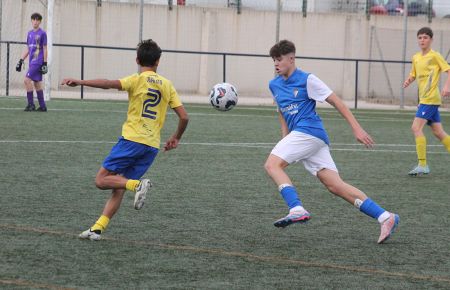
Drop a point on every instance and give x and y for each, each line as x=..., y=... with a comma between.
x=37, y=52
x=305, y=139
x=149, y=95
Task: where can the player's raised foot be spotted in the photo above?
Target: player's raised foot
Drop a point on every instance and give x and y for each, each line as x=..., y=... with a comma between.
x=41, y=109
x=30, y=108
x=388, y=227
x=141, y=192
x=91, y=235
x=419, y=170
x=292, y=218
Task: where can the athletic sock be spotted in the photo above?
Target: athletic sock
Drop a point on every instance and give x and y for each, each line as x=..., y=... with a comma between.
x=298, y=209
x=446, y=142
x=290, y=196
x=372, y=209
x=30, y=98
x=421, y=148
x=100, y=224
x=40, y=97
x=132, y=184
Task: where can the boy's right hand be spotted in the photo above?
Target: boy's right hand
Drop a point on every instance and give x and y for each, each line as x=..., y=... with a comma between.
x=70, y=82
x=19, y=65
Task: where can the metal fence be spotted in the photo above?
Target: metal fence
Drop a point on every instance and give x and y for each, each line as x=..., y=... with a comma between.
x=223, y=55
x=360, y=57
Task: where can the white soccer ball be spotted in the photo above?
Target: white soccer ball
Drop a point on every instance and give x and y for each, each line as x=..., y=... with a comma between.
x=223, y=97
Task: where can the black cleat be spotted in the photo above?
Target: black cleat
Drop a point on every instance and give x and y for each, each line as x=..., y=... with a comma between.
x=30, y=108
x=41, y=109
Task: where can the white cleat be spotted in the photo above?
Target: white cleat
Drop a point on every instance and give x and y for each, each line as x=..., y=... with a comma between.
x=419, y=170
x=91, y=235
x=141, y=192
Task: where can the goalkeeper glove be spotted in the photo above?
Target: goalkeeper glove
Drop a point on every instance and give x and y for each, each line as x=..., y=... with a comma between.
x=44, y=68
x=19, y=65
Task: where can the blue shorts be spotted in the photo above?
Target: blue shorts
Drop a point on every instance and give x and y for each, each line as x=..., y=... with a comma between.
x=429, y=113
x=130, y=159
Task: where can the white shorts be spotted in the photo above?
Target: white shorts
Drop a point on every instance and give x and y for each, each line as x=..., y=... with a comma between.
x=312, y=151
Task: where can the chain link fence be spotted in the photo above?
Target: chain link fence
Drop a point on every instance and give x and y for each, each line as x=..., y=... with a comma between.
x=374, y=35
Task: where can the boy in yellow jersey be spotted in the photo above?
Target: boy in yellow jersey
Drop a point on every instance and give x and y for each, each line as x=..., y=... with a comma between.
x=149, y=96
x=427, y=66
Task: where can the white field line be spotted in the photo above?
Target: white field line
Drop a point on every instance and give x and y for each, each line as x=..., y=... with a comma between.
x=247, y=145
x=250, y=108
x=225, y=114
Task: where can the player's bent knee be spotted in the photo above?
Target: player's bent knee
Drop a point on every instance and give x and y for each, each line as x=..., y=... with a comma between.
x=100, y=184
x=271, y=167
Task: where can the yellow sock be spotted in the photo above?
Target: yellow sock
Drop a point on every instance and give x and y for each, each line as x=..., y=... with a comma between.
x=101, y=223
x=446, y=142
x=132, y=184
x=421, y=148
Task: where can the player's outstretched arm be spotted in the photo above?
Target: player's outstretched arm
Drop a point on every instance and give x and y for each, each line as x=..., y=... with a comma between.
x=97, y=83
x=183, y=121
x=359, y=133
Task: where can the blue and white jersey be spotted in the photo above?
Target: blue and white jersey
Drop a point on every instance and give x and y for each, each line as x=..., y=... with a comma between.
x=296, y=99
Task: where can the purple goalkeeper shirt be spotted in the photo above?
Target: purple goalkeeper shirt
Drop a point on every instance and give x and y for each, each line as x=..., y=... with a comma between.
x=36, y=40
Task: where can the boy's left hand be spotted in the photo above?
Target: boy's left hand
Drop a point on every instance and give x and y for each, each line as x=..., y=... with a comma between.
x=171, y=143
x=445, y=92
x=363, y=137
x=44, y=68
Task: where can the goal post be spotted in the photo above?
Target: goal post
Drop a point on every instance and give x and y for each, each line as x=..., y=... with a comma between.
x=48, y=76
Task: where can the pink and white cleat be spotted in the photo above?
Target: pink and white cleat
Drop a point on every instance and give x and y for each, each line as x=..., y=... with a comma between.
x=388, y=227
x=292, y=218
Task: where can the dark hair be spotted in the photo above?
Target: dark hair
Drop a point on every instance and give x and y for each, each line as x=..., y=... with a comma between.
x=36, y=16
x=425, y=30
x=148, y=53
x=283, y=47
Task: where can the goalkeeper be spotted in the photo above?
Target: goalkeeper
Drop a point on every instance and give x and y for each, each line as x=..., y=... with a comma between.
x=37, y=50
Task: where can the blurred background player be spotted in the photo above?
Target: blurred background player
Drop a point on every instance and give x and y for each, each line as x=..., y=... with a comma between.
x=305, y=139
x=427, y=66
x=149, y=95
x=37, y=52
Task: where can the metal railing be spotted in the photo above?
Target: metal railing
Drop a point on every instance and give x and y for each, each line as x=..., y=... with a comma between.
x=224, y=55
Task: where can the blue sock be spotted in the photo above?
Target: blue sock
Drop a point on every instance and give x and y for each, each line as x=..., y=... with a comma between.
x=371, y=208
x=290, y=196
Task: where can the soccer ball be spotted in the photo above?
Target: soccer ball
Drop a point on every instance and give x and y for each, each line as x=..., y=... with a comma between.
x=223, y=97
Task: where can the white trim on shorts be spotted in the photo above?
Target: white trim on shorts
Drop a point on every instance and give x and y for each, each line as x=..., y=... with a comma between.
x=313, y=152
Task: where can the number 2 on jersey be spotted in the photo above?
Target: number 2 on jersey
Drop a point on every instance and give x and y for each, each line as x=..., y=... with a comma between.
x=154, y=97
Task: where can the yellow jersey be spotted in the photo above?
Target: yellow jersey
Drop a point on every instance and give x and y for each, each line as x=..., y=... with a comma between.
x=426, y=69
x=149, y=96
